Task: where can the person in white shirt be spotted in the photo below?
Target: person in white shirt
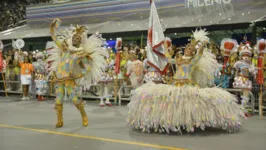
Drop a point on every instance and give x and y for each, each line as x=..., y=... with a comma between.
x=135, y=70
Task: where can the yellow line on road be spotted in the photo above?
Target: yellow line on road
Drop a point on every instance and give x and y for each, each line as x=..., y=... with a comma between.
x=91, y=137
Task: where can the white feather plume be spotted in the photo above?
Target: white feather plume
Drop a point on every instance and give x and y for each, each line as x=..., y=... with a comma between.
x=93, y=46
x=201, y=35
x=53, y=59
x=205, y=69
x=50, y=45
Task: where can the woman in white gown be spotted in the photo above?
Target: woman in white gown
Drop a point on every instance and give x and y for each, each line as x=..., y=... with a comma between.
x=189, y=102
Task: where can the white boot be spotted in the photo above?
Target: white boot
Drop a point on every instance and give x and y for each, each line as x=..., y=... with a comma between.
x=102, y=103
x=107, y=102
x=244, y=102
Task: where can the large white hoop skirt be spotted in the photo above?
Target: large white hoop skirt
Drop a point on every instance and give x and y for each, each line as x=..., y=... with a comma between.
x=167, y=108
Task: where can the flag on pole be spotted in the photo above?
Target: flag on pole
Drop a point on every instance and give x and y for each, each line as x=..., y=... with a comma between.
x=118, y=47
x=155, y=43
x=1, y=56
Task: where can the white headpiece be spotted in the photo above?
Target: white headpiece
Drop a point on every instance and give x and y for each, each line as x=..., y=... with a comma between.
x=25, y=53
x=229, y=46
x=245, y=50
x=39, y=55
x=261, y=46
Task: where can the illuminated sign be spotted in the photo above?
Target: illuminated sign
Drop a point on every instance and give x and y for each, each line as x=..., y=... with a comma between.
x=201, y=3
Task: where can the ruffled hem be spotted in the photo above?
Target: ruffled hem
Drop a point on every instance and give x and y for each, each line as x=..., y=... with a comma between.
x=155, y=107
x=153, y=76
x=240, y=84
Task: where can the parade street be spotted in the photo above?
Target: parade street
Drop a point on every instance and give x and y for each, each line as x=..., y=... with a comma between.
x=30, y=124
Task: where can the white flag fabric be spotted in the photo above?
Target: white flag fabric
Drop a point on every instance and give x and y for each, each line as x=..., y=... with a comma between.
x=155, y=43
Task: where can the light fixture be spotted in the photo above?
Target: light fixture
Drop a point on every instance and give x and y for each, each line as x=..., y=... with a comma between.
x=175, y=33
x=111, y=39
x=141, y=17
x=249, y=12
x=264, y=28
x=243, y=14
x=199, y=20
x=210, y=21
x=220, y=14
x=229, y=18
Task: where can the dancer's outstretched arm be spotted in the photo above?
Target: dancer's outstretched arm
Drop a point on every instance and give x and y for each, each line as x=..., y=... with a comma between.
x=53, y=26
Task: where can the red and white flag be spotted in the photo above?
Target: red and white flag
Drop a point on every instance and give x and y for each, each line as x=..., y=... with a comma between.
x=118, y=47
x=1, y=56
x=155, y=43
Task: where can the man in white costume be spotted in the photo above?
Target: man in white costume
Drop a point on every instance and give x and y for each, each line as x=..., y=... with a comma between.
x=135, y=70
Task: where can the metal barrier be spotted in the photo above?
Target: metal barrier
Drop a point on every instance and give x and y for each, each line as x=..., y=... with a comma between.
x=47, y=94
x=127, y=97
x=251, y=96
x=122, y=96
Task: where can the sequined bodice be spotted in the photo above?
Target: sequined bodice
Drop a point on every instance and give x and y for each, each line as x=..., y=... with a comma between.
x=243, y=68
x=65, y=67
x=185, y=68
x=183, y=71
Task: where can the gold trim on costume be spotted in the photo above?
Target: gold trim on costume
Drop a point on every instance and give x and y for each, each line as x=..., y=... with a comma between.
x=181, y=82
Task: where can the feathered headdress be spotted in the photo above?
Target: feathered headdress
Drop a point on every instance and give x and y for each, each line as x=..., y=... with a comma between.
x=40, y=55
x=229, y=46
x=245, y=50
x=261, y=46
x=118, y=44
x=79, y=30
x=200, y=36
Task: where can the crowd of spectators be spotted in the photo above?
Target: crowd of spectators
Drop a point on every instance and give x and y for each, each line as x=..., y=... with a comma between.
x=13, y=12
